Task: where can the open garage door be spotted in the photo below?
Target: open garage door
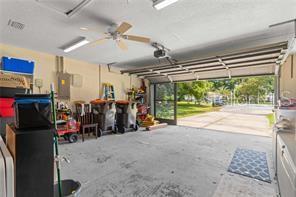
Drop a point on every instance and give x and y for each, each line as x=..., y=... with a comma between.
x=257, y=61
x=249, y=62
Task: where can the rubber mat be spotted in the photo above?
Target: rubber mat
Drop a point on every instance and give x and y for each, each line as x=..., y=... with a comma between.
x=250, y=163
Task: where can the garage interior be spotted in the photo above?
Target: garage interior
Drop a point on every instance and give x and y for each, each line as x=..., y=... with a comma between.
x=82, y=83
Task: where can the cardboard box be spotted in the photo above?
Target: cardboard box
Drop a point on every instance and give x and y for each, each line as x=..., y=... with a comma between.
x=13, y=81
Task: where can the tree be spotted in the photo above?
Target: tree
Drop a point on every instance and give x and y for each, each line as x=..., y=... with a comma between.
x=183, y=90
x=228, y=84
x=224, y=91
x=255, y=87
x=244, y=88
x=197, y=89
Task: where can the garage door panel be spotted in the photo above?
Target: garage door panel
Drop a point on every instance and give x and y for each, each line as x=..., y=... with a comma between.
x=235, y=72
x=273, y=56
x=249, y=62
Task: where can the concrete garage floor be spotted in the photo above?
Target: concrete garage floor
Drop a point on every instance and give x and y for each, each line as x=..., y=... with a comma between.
x=247, y=119
x=174, y=161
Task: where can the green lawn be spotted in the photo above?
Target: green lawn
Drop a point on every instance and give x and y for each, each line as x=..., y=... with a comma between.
x=270, y=118
x=189, y=109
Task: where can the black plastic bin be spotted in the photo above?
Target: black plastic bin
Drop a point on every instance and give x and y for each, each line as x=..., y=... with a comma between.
x=70, y=188
x=121, y=122
x=104, y=115
x=121, y=116
x=100, y=108
x=121, y=108
x=33, y=111
x=124, y=113
x=10, y=92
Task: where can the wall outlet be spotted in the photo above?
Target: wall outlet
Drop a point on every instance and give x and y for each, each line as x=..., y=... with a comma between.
x=39, y=83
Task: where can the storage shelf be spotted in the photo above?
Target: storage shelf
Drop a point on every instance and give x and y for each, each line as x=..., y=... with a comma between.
x=6, y=71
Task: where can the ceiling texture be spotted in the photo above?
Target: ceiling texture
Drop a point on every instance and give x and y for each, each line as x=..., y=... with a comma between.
x=189, y=28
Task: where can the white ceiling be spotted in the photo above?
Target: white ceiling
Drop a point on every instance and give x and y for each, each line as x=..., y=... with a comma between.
x=186, y=26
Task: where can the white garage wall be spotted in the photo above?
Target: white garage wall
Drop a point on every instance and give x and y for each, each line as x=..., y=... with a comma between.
x=45, y=68
x=287, y=82
x=121, y=82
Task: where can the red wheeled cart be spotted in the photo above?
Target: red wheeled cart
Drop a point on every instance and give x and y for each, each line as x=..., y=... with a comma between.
x=68, y=130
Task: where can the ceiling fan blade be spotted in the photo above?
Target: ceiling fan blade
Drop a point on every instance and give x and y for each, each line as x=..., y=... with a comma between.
x=121, y=44
x=99, y=41
x=123, y=28
x=137, y=38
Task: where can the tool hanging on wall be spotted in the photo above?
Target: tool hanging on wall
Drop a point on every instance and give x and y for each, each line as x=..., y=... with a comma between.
x=108, y=92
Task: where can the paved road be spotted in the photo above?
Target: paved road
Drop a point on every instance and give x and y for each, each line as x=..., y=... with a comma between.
x=247, y=119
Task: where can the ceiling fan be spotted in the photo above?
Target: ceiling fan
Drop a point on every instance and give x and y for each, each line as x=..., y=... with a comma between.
x=117, y=34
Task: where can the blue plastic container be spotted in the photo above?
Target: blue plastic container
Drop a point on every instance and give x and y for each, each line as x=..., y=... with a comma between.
x=32, y=111
x=17, y=65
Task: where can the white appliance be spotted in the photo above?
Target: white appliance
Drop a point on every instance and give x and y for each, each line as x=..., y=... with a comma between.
x=6, y=171
x=286, y=164
x=2, y=176
x=284, y=151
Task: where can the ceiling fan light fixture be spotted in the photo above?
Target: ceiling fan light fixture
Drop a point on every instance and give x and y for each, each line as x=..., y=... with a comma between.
x=76, y=45
x=160, y=4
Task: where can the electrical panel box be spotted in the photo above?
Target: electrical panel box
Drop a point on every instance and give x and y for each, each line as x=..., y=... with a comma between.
x=64, y=81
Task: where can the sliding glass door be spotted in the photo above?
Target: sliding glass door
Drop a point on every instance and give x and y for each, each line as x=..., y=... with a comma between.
x=165, y=108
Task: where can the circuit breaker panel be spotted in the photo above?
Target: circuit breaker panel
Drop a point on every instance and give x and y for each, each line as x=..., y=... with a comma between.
x=64, y=81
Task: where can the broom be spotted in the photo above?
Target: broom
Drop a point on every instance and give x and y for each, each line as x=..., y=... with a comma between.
x=56, y=139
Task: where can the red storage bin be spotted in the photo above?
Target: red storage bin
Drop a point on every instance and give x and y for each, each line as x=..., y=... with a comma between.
x=6, y=107
x=6, y=102
x=6, y=112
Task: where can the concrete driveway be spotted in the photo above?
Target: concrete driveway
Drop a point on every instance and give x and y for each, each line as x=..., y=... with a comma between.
x=246, y=119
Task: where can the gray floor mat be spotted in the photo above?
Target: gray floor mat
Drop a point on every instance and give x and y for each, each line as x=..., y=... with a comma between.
x=250, y=163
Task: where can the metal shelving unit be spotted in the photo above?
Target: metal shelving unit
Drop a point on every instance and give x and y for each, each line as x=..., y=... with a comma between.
x=30, y=78
x=17, y=73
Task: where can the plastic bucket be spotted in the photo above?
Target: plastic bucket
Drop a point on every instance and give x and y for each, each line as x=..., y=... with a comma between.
x=70, y=188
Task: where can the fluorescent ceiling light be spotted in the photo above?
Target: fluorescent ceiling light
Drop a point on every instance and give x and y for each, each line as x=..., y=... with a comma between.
x=77, y=8
x=76, y=45
x=159, y=4
x=84, y=28
x=64, y=8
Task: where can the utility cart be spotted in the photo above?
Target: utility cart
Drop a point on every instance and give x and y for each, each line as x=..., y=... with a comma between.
x=67, y=126
x=68, y=130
